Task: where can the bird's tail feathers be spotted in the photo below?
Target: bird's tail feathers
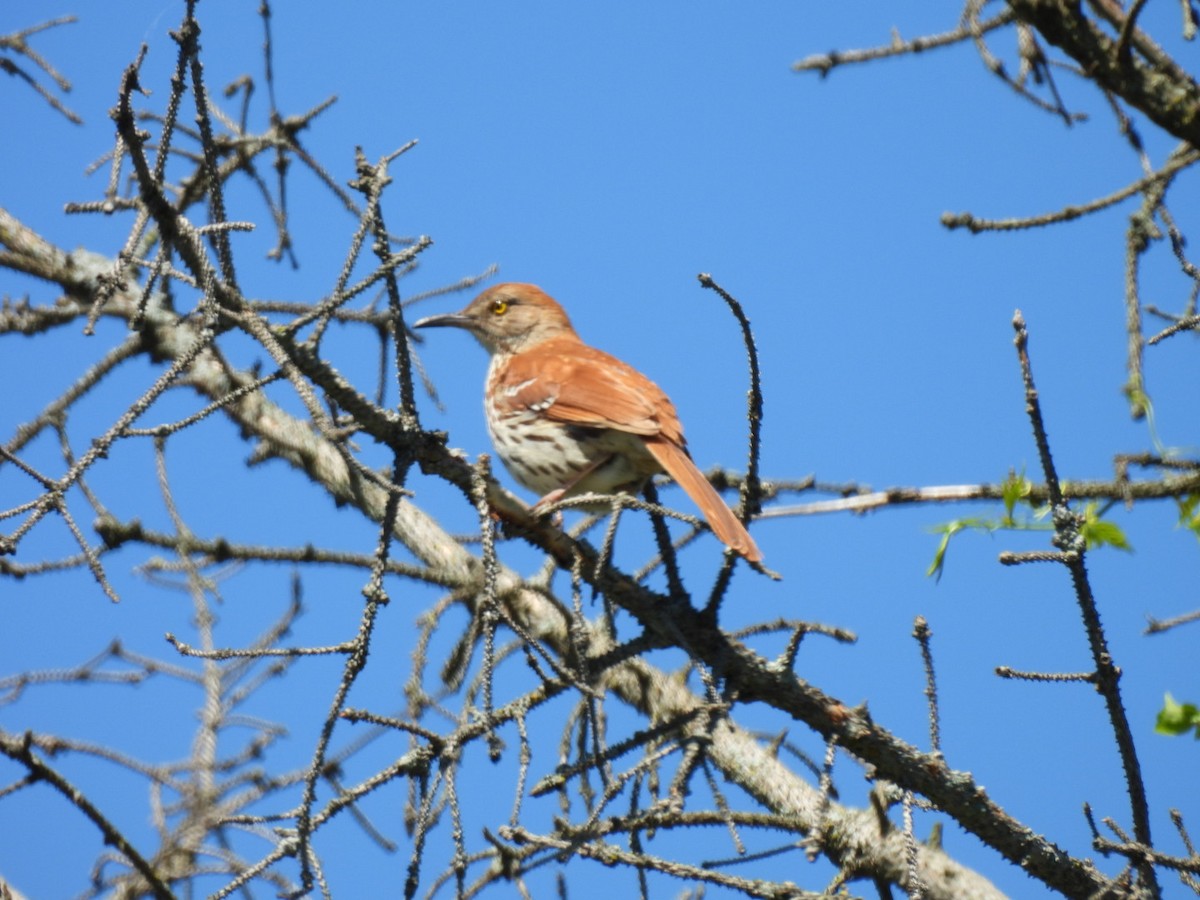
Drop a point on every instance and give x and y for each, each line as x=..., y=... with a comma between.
x=724, y=523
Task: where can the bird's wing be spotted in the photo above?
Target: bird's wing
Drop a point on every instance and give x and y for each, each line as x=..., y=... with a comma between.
x=580, y=385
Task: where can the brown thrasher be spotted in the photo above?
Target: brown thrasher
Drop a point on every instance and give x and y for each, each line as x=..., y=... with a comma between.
x=568, y=419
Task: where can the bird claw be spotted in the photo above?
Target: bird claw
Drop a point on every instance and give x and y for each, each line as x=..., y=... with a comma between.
x=546, y=502
x=539, y=508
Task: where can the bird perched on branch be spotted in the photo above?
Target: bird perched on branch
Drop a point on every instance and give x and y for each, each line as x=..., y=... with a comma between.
x=568, y=419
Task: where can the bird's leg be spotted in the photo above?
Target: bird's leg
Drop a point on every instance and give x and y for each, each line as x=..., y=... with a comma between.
x=556, y=495
x=550, y=498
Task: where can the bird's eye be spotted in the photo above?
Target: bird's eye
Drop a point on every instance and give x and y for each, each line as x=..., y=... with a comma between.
x=499, y=307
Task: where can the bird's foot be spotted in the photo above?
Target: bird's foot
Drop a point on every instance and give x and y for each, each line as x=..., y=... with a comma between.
x=549, y=500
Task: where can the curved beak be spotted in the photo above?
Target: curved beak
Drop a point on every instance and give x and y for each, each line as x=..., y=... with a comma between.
x=454, y=320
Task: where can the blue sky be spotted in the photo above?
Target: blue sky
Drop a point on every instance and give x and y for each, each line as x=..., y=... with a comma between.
x=610, y=154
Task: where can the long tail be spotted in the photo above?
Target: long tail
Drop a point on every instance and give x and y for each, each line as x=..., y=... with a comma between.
x=721, y=519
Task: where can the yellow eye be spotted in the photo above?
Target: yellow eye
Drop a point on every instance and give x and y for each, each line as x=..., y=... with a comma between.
x=499, y=307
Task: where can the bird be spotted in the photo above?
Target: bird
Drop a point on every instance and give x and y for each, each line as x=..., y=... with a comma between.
x=568, y=419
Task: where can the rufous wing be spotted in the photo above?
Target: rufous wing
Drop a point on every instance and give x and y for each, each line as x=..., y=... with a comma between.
x=568, y=381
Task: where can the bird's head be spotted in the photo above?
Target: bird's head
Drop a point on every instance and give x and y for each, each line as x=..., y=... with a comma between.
x=508, y=318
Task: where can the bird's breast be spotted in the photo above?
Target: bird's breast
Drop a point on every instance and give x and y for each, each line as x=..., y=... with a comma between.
x=545, y=455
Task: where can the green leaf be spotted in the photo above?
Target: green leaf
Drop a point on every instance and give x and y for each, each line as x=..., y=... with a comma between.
x=1015, y=487
x=1189, y=513
x=939, y=557
x=1099, y=533
x=1139, y=400
x=1177, y=718
x=949, y=530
